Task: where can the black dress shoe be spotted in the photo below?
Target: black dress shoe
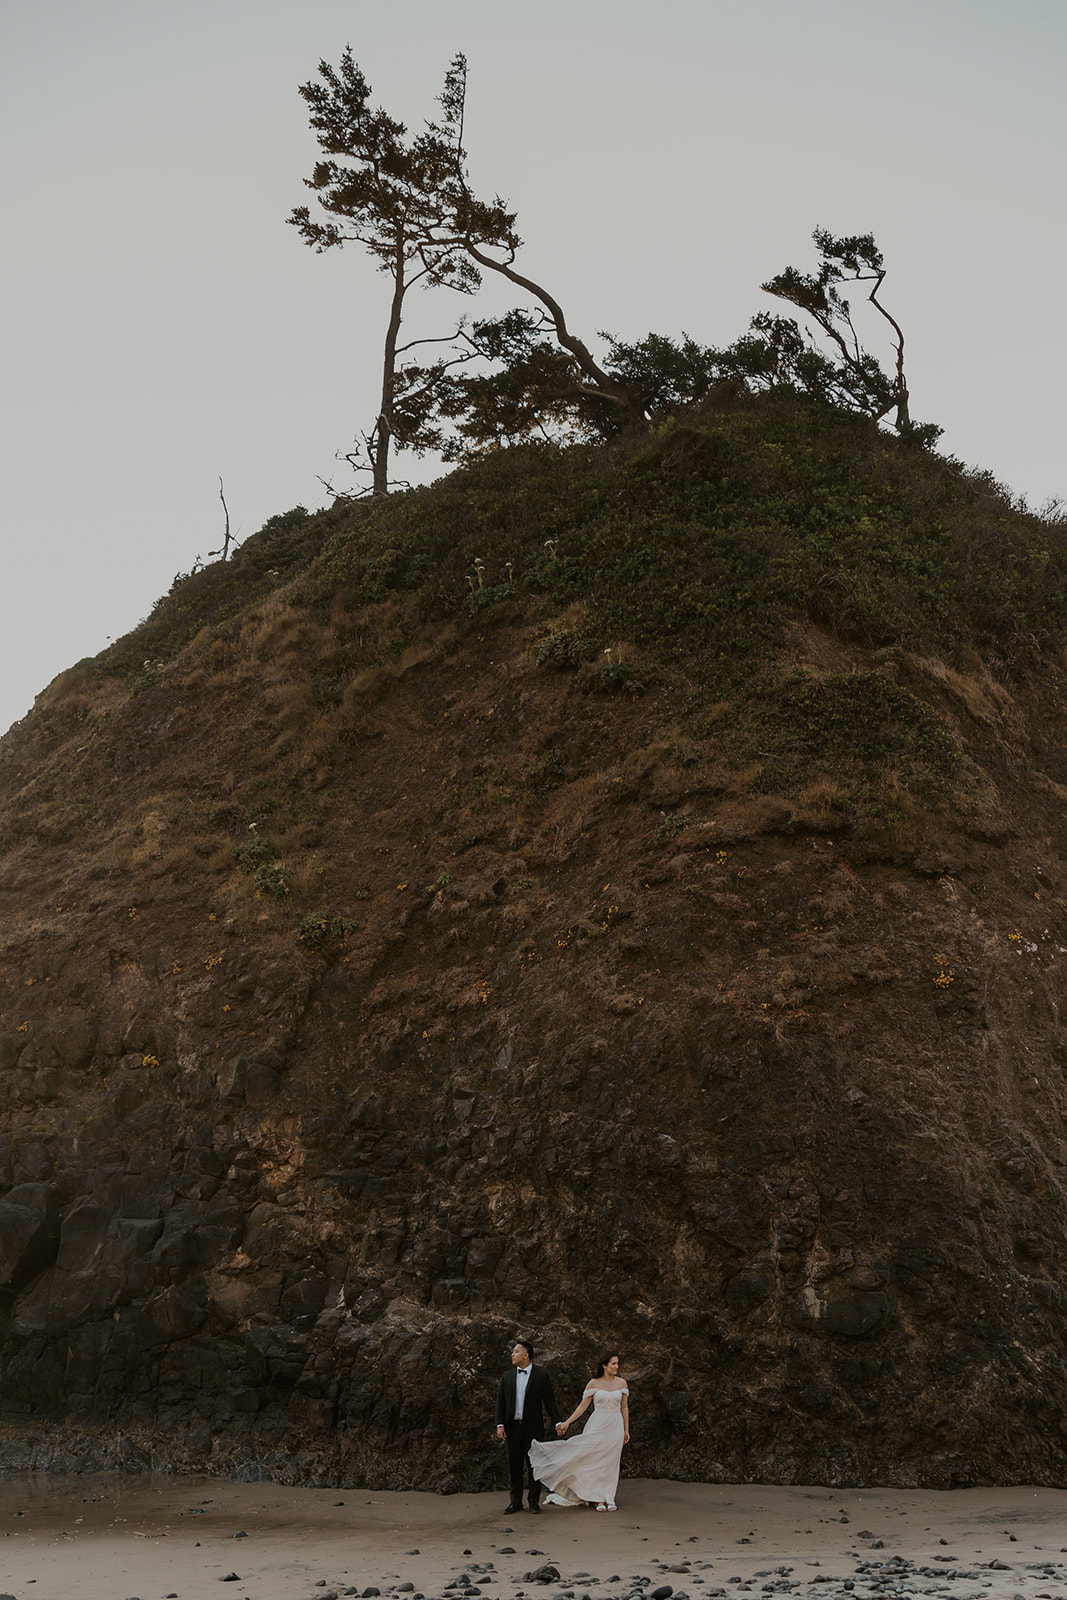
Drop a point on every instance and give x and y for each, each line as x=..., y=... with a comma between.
x=510, y=1510
x=535, y=1508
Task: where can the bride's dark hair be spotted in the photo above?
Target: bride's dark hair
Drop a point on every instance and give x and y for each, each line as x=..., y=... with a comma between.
x=602, y=1363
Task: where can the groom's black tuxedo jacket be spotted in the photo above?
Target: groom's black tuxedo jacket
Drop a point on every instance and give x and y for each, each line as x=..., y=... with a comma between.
x=539, y=1399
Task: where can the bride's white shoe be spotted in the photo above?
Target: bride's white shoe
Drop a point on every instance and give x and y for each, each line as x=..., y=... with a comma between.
x=611, y=1506
x=602, y=1506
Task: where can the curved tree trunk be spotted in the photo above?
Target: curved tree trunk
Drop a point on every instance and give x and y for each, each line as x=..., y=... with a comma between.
x=630, y=406
x=381, y=437
x=902, y=421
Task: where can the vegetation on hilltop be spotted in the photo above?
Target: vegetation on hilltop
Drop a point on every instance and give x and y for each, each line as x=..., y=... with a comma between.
x=711, y=531
x=696, y=542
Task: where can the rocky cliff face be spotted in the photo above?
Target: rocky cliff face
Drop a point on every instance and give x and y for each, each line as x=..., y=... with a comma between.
x=344, y=1039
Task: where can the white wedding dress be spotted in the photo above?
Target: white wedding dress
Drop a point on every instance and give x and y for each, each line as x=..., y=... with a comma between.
x=585, y=1468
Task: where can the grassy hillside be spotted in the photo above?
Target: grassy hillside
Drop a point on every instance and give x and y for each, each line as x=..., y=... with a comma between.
x=700, y=539
x=698, y=560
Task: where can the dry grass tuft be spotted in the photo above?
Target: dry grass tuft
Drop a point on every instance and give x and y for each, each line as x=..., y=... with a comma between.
x=416, y=655
x=569, y=810
x=277, y=631
x=366, y=688
x=820, y=801
x=841, y=894
x=72, y=689
x=740, y=819
x=290, y=704
x=979, y=693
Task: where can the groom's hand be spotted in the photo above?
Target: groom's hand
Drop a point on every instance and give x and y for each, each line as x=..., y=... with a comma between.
x=561, y=1427
x=500, y=1430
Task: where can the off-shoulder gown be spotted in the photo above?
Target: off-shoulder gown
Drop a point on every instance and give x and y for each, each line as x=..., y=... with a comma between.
x=587, y=1466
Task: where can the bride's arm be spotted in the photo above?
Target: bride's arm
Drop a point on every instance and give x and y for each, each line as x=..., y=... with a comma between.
x=624, y=1407
x=575, y=1414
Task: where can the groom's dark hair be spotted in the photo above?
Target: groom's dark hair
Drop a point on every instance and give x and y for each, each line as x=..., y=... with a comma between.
x=527, y=1346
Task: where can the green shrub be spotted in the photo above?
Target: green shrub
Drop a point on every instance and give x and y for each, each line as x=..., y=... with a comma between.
x=256, y=856
x=564, y=648
x=671, y=826
x=253, y=853
x=318, y=929
x=272, y=879
x=863, y=716
x=619, y=677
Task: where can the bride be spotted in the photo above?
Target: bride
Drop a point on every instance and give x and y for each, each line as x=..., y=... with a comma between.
x=586, y=1468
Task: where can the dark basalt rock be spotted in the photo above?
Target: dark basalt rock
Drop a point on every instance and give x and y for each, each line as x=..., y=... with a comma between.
x=29, y=1232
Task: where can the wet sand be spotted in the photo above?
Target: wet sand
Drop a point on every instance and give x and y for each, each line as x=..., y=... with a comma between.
x=114, y=1537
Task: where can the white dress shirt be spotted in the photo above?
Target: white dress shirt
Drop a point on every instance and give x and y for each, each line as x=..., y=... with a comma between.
x=522, y=1376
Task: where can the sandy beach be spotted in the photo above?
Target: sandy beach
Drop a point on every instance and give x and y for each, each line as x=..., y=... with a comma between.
x=111, y=1537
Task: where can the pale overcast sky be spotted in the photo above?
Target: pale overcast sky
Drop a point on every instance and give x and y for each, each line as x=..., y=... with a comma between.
x=162, y=325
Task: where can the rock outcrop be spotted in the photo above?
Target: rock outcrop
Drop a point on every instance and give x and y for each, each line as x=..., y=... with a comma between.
x=342, y=1042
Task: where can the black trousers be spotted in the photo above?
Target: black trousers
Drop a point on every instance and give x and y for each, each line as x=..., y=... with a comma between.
x=519, y=1440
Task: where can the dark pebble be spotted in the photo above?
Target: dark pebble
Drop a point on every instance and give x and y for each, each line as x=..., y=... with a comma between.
x=231, y=1577
x=664, y=1592
x=240, y=1536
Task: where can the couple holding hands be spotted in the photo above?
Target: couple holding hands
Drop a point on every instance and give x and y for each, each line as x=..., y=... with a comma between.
x=578, y=1471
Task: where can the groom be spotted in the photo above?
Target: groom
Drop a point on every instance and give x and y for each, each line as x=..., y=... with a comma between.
x=523, y=1394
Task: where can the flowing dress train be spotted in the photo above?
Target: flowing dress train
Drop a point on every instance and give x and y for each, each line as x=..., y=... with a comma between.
x=586, y=1467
